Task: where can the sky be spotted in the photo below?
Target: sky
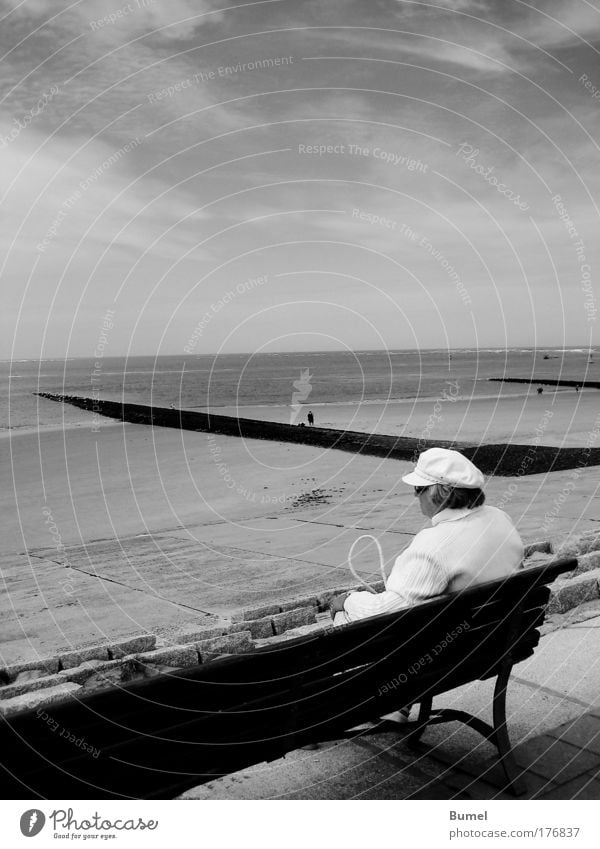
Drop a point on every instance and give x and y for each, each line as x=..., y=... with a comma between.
x=190, y=176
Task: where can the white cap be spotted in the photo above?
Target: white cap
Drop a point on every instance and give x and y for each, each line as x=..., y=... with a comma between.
x=441, y=465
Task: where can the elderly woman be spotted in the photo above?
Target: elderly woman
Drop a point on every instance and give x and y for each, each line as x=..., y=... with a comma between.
x=468, y=543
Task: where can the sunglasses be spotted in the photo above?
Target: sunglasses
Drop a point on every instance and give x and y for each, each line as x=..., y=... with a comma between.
x=420, y=489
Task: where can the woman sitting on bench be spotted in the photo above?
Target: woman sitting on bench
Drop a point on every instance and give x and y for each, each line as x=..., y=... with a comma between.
x=468, y=543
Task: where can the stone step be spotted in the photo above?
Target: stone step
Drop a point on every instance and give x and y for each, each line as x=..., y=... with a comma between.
x=573, y=591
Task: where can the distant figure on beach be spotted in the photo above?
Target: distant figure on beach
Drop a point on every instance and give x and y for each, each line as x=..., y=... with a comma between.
x=311, y=418
x=468, y=543
x=540, y=389
x=576, y=387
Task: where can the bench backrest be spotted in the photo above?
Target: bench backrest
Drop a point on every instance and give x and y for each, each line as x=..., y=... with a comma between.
x=160, y=736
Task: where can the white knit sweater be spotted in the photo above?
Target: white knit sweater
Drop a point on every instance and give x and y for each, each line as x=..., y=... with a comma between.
x=462, y=548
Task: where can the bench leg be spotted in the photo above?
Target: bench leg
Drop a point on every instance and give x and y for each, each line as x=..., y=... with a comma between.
x=451, y=715
x=513, y=773
x=421, y=721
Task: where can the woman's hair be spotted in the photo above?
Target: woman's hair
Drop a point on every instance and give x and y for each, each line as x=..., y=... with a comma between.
x=456, y=497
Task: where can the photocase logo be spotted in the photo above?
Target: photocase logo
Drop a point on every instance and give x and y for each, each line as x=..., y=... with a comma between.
x=32, y=822
x=303, y=388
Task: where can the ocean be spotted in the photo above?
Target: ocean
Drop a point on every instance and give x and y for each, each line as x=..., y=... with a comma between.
x=281, y=384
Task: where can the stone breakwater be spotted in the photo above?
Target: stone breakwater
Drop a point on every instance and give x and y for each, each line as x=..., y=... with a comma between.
x=39, y=684
x=547, y=381
x=493, y=459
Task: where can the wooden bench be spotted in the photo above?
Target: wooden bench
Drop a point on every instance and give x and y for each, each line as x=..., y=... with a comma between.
x=163, y=735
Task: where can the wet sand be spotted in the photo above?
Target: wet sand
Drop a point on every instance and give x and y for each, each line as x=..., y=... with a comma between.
x=564, y=418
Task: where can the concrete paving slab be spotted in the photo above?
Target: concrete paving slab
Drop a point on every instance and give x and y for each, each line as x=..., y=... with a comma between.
x=529, y=710
x=313, y=542
x=553, y=759
x=338, y=771
x=45, y=607
x=489, y=783
x=583, y=732
x=586, y=786
x=566, y=662
x=206, y=578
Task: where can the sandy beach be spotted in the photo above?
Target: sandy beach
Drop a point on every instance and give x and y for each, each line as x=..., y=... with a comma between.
x=556, y=417
x=131, y=479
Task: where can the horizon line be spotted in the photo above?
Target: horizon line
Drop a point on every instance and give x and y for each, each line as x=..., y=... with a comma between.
x=572, y=346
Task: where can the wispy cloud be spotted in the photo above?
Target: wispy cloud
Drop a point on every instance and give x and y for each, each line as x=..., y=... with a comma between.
x=231, y=167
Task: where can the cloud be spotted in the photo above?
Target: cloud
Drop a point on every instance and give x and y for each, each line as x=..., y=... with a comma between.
x=381, y=99
x=58, y=200
x=562, y=24
x=177, y=19
x=490, y=56
x=28, y=8
x=461, y=43
x=121, y=19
